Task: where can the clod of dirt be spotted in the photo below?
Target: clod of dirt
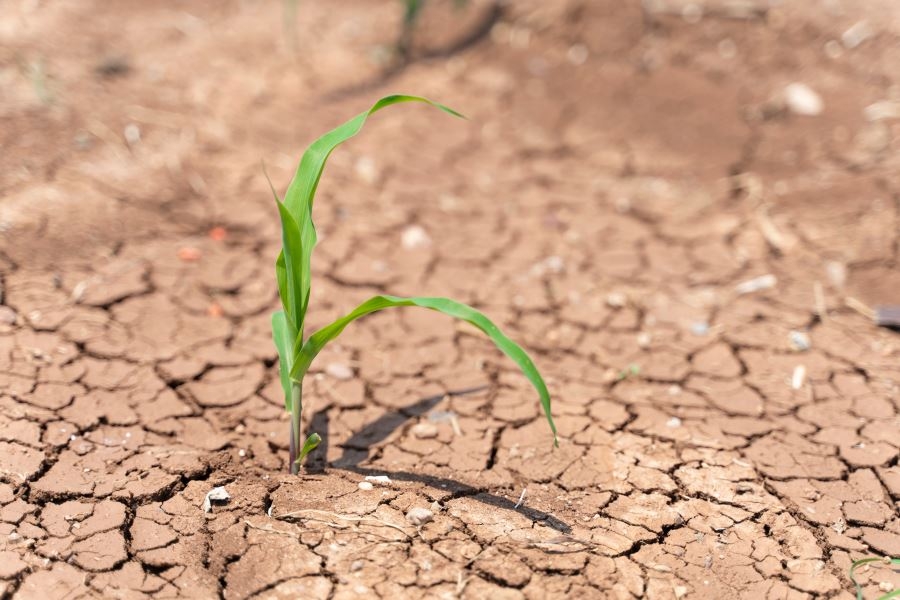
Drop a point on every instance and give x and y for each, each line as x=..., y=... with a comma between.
x=217, y=494
x=419, y=516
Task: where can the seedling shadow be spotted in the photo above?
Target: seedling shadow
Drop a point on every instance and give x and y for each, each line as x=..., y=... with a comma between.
x=356, y=451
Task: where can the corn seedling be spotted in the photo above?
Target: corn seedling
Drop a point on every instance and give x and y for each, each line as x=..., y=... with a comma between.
x=296, y=351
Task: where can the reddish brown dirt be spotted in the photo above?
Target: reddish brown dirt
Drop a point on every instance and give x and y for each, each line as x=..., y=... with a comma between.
x=622, y=171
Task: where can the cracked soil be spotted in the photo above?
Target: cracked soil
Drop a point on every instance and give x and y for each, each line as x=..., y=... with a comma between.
x=626, y=168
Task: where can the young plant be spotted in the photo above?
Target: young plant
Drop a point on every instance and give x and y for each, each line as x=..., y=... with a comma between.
x=296, y=351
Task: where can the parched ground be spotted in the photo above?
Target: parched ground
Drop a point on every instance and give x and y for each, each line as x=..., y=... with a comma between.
x=626, y=168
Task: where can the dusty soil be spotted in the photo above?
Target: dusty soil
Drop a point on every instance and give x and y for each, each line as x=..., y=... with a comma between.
x=624, y=169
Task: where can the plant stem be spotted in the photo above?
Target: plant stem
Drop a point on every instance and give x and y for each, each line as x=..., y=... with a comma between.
x=296, y=409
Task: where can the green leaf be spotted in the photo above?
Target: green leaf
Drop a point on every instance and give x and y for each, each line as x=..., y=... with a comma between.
x=284, y=335
x=308, y=446
x=300, y=194
x=296, y=277
x=319, y=339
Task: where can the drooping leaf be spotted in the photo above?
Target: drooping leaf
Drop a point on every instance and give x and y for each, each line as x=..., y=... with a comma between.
x=301, y=193
x=319, y=339
x=284, y=335
x=309, y=445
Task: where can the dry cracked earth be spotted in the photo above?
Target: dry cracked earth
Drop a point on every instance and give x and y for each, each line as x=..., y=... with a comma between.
x=625, y=171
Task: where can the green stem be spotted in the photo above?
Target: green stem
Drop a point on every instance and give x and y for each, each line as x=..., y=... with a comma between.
x=296, y=409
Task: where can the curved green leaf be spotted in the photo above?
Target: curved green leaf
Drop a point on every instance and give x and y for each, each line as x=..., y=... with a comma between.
x=300, y=194
x=319, y=339
x=311, y=443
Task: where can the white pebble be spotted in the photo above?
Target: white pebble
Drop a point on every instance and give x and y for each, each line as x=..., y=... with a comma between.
x=339, y=371
x=616, y=300
x=803, y=100
x=856, y=35
x=673, y=423
x=799, y=377
x=799, y=341
x=132, y=134
x=379, y=479
x=419, y=516
x=415, y=237
x=365, y=486
x=643, y=340
x=764, y=282
x=366, y=169
x=217, y=494
x=837, y=273
x=424, y=431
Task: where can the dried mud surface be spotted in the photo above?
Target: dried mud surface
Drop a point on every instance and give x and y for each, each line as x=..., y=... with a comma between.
x=624, y=168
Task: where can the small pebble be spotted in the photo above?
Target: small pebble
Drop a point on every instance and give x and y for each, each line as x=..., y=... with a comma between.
x=419, y=516
x=616, y=300
x=357, y=565
x=799, y=341
x=799, y=377
x=132, y=134
x=644, y=340
x=217, y=494
x=415, y=237
x=803, y=100
x=856, y=35
x=886, y=586
x=673, y=423
x=425, y=431
x=379, y=479
x=7, y=315
x=763, y=282
x=365, y=486
x=700, y=328
x=837, y=273
x=339, y=371
x=366, y=169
